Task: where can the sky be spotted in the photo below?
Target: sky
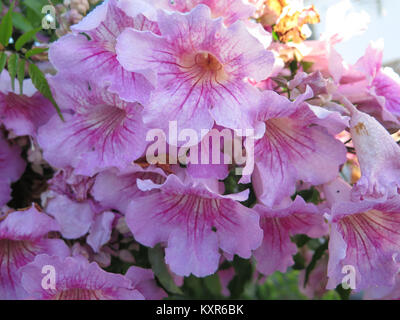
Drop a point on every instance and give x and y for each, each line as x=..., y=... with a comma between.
x=384, y=23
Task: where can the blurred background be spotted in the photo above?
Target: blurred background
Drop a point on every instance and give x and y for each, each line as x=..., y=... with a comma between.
x=384, y=23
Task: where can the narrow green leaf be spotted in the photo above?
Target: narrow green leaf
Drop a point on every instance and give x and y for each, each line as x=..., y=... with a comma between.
x=20, y=22
x=35, y=5
x=156, y=258
x=12, y=69
x=275, y=36
x=21, y=74
x=26, y=37
x=40, y=82
x=34, y=52
x=3, y=60
x=6, y=27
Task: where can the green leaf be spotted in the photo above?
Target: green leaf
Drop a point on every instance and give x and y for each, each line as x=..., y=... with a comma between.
x=21, y=74
x=12, y=69
x=318, y=253
x=35, y=5
x=26, y=37
x=213, y=284
x=21, y=22
x=156, y=257
x=299, y=262
x=343, y=293
x=307, y=66
x=243, y=273
x=41, y=84
x=275, y=36
x=300, y=240
x=3, y=60
x=34, y=51
x=6, y=27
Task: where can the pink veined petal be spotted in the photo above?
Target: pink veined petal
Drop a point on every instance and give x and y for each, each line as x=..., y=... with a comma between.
x=388, y=88
x=96, y=59
x=277, y=249
x=23, y=235
x=24, y=114
x=105, y=132
x=201, y=66
x=100, y=230
x=76, y=279
x=194, y=222
x=372, y=242
x=293, y=148
x=143, y=280
x=116, y=190
x=193, y=251
x=378, y=155
x=74, y=218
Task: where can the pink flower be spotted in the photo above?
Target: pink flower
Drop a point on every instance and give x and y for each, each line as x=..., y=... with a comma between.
x=324, y=57
x=363, y=235
x=378, y=155
x=143, y=281
x=201, y=66
x=194, y=222
x=277, y=249
x=102, y=132
x=22, y=114
x=70, y=203
x=76, y=279
x=230, y=10
x=373, y=89
x=11, y=168
x=23, y=235
x=115, y=190
x=297, y=145
x=95, y=59
x=384, y=293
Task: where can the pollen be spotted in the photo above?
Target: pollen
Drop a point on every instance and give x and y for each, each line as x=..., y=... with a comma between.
x=361, y=129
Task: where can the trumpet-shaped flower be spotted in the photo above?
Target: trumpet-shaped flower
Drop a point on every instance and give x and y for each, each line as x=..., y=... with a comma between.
x=195, y=223
x=22, y=114
x=201, y=67
x=363, y=235
x=102, y=132
x=76, y=279
x=23, y=235
x=95, y=58
x=378, y=155
x=296, y=146
x=277, y=249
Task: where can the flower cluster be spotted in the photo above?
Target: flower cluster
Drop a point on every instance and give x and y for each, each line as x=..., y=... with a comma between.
x=112, y=180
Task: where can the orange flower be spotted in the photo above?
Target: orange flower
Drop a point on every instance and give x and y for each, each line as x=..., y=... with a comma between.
x=289, y=25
